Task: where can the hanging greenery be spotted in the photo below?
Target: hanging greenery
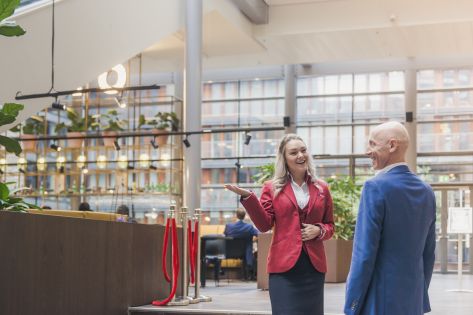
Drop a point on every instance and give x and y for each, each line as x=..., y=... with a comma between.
x=7, y=28
x=9, y=111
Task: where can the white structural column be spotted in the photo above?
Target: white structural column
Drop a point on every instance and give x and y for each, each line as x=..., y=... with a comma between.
x=192, y=103
x=290, y=98
x=411, y=110
x=178, y=80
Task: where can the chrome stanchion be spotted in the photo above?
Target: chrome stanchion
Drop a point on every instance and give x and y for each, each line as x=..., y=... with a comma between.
x=191, y=220
x=197, y=295
x=182, y=300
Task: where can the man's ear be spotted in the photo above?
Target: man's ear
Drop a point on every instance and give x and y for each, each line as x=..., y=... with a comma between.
x=393, y=145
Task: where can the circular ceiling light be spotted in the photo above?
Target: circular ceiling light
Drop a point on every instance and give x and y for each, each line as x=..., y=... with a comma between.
x=119, y=72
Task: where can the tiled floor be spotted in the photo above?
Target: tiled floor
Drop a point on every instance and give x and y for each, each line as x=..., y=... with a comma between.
x=244, y=298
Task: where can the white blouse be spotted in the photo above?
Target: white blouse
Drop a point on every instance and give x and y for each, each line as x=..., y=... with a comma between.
x=301, y=193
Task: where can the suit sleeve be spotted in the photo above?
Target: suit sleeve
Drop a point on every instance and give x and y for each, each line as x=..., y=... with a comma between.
x=327, y=221
x=254, y=231
x=429, y=257
x=261, y=211
x=365, y=247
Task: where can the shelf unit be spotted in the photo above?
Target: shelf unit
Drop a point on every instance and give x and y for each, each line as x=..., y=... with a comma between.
x=105, y=185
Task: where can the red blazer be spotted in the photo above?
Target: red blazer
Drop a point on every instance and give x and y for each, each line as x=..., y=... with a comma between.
x=282, y=213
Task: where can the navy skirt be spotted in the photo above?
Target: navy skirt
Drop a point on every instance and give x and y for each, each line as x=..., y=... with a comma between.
x=299, y=291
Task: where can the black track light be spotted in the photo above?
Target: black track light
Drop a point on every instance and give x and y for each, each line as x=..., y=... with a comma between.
x=153, y=143
x=61, y=170
x=238, y=165
x=130, y=167
x=57, y=105
x=247, y=138
x=152, y=167
x=21, y=170
x=116, y=145
x=55, y=147
x=186, y=142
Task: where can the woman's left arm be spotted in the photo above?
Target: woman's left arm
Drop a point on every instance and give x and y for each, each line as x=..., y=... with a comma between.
x=327, y=225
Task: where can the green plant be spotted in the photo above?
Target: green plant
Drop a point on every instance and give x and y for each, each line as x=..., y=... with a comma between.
x=113, y=122
x=8, y=200
x=266, y=172
x=34, y=126
x=345, y=195
x=7, y=7
x=161, y=121
x=8, y=114
x=9, y=111
x=77, y=123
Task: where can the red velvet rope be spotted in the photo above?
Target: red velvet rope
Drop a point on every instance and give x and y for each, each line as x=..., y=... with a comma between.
x=175, y=266
x=165, y=250
x=196, y=239
x=191, y=250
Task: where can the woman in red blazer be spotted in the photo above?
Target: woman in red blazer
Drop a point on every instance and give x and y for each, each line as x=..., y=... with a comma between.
x=298, y=207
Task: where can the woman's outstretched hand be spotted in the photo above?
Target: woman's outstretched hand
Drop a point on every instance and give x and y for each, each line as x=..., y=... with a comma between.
x=237, y=190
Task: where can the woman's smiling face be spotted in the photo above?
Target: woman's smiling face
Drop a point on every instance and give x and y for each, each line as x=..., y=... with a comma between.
x=296, y=156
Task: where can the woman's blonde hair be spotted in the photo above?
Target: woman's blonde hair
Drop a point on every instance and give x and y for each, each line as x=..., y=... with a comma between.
x=281, y=172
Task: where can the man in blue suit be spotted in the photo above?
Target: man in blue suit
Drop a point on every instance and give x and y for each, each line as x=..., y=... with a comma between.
x=243, y=230
x=393, y=250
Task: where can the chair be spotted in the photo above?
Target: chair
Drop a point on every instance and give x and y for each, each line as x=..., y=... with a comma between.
x=213, y=249
x=237, y=248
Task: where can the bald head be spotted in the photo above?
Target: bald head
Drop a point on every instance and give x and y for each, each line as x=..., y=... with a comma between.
x=388, y=144
x=392, y=130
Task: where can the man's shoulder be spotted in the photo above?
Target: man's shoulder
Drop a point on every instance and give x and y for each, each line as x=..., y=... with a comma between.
x=230, y=224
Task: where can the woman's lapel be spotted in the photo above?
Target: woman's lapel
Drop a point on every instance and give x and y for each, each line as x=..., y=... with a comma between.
x=316, y=192
x=287, y=190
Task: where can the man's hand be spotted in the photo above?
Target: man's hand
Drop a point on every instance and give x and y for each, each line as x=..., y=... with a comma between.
x=237, y=190
x=310, y=231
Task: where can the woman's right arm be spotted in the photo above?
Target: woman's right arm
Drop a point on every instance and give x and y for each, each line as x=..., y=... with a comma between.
x=261, y=211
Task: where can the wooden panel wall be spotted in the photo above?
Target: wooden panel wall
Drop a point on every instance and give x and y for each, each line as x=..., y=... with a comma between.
x=58, y=265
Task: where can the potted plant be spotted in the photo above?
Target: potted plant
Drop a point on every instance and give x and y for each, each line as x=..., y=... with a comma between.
x=77, y=127
x=162, y=123
x=143, y=124
x=32, y=127
x=10, y=202
x=112, y=125
x=345, y=195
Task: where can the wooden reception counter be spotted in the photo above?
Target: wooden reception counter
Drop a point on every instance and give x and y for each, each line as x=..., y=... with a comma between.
x=61, y=265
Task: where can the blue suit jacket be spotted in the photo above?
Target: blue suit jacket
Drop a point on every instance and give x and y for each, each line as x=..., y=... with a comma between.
x=393, y=250
x=241, y=229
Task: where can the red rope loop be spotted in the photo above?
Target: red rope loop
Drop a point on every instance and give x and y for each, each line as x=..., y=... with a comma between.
x=191, y=251
x=175, y=266
x=165, y=250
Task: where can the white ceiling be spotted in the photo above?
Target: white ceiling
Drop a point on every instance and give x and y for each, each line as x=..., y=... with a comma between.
x=328, y=32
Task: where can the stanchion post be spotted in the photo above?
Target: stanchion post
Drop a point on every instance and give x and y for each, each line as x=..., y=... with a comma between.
x=192, y=299
x=171, y=216
x=182, y=300
x=197, y=296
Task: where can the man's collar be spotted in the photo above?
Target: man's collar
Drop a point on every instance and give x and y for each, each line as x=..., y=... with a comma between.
x=389, y=167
